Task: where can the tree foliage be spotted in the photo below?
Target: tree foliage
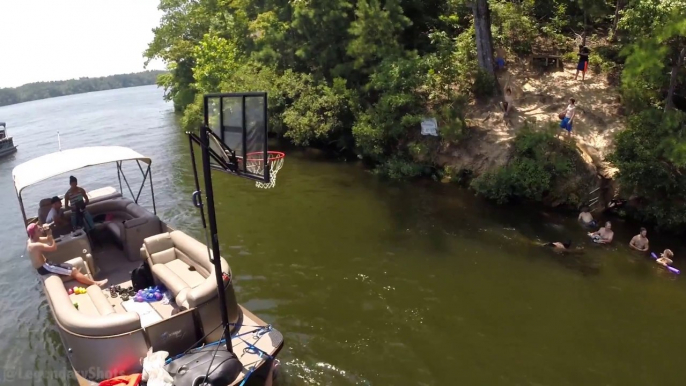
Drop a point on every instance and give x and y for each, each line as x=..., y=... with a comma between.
x=359, y=75
x=651, y=157
x=538, y=162
x=42, y=90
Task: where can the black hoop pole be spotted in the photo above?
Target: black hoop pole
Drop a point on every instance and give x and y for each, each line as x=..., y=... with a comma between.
x=209, y=194
x=197, y=183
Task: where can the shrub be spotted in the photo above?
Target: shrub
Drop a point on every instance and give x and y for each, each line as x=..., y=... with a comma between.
x=538, y=160
x=600, y=65
x=399, y=167
x=484, y=85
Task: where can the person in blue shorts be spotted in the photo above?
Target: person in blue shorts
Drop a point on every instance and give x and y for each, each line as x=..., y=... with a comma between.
x=500, y=59
x=568, y=118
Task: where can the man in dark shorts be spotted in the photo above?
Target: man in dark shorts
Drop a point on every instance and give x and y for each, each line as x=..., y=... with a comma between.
x=40, y=240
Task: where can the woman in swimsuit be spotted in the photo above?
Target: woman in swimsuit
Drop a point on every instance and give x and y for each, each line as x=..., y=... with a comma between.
x=77, y=199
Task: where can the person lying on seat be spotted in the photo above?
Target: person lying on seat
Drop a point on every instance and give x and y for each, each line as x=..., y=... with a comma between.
x=77, y=199
x=40, y=240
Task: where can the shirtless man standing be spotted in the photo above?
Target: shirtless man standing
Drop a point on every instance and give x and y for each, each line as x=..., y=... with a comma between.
x=640, y=241
x=603, y=235
x=38, y=244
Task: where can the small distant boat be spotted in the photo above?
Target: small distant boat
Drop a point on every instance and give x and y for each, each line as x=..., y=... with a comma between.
x=6, y=143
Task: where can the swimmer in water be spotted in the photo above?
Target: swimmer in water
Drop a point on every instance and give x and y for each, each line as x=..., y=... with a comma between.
x=564, y=248
x=666, y=258
x=604, y=235
x=586, y=218
x=640, y=241
x=559, y=246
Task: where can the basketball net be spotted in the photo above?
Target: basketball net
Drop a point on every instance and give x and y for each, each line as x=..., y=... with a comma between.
x=255, y=164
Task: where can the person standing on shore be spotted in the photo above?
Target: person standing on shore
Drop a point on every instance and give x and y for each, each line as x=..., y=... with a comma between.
x=583, y=62
x=567, y=118
x=508, y=99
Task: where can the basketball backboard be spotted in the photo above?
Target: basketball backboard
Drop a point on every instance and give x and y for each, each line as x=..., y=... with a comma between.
x=238, y=122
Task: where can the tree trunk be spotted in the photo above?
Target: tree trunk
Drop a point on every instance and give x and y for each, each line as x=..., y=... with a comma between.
x=484, y=39
x=669, y=102
x=583, y=34
x=618, y=7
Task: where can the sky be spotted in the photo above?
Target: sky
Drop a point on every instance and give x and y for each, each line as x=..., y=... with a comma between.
x=44, y=40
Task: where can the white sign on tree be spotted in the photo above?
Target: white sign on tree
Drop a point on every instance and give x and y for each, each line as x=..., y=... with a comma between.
x=430, y=127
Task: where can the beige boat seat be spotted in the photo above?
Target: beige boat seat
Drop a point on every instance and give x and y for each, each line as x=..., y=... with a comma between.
x=95, y=315
x=182, y=264
x=81, y=265
x=102, y=194
x=44, y=207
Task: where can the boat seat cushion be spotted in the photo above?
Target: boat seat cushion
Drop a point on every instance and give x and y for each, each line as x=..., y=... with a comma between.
x=81, y=265
x=164, y=257
x=115, y=228
x=102, y=305
x=44, y=207
x=182, y=264
x=186, y=272
x=171, y=280
x=158, y=243
x=88, y=319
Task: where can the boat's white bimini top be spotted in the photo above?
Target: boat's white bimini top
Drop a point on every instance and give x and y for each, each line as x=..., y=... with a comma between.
x=54, y=164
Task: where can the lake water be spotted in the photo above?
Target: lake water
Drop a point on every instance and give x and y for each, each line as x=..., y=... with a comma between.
x=371, y=282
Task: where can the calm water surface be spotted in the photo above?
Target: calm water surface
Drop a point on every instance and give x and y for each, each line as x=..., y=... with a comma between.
x=371, y=282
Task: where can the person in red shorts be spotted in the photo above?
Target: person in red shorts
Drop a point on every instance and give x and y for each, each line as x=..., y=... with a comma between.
x=583, y=62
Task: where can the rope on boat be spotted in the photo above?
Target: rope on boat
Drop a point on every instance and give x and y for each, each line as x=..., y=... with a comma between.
x=258, y=332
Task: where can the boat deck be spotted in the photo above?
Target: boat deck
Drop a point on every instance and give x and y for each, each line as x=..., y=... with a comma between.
x=116, y=268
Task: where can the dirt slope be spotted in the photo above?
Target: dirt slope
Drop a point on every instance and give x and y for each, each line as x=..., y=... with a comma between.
x=539, y=96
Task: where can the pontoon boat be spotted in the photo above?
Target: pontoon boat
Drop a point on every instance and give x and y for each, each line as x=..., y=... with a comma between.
x=106, y=336
x=6, y=143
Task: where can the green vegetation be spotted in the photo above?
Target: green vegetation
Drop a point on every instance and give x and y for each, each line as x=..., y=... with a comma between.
x=651, y=156
x=357, y=76
x=43, y=90
x=538, y=163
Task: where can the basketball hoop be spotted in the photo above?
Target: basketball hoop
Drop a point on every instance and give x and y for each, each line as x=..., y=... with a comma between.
x=254, y=162
x=223, y=152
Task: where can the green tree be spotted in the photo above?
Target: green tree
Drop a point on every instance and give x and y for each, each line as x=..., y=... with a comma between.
x=42, y=90
x=651, y=157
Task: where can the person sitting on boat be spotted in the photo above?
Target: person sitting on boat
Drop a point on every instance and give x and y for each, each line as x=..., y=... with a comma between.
x=586, y=218
x=640, y=241
x=604, y=235
x=666, y=258
x=56, y=213
x=41, y=240
x=77, y=199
